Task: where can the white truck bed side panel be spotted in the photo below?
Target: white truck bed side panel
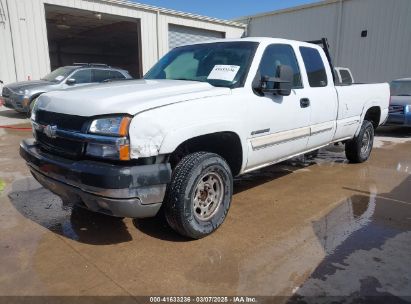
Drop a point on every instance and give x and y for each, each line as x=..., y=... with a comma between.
x=354, y=101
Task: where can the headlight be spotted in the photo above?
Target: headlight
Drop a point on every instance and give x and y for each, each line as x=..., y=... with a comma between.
x=23, y=92
x=110, y=126
x=114, y=126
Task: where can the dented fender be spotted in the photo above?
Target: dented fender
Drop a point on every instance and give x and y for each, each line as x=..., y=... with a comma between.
x=158, y=131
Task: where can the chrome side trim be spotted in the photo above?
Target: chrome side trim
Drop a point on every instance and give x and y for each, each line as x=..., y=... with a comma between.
x=265, y=141
x=260, y=131
x=279, y=138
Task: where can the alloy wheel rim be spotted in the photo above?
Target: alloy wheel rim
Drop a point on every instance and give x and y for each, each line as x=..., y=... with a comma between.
x=208, y=196
x=366, y=142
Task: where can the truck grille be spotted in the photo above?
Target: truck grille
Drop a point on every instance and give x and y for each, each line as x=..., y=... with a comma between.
x=394, y=109
x=63, y=121
x=61, y=146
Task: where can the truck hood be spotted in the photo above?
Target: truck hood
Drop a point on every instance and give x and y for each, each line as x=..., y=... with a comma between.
x=126, y=97
x=400, y=100
x=28, y=85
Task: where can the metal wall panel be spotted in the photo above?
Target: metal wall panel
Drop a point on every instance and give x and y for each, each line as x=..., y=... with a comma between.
x=182, y=35
x=305, y=24
x=30, y=45
x=381, y=56
x=384, y=54
x=7, y=69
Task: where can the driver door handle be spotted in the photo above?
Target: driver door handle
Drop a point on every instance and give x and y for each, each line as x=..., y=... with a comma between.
x=304, y=102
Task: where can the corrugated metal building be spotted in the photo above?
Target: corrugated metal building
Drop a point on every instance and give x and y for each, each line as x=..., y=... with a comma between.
x=371, y=37
x=39, y=35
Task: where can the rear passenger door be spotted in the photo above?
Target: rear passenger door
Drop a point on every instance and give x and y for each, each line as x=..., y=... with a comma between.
x=320, y=91
x=100, y=75
x=278, y=125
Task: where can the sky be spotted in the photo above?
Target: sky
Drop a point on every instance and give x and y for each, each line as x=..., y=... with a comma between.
x=225, y=9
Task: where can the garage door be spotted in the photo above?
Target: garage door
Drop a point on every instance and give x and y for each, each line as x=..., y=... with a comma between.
x=182, y=35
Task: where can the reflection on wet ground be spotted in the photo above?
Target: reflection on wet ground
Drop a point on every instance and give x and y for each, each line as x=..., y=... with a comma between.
x=366, y=239
x=47, y=210
x=302, y=228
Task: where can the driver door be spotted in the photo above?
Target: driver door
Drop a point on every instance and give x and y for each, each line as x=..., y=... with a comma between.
x=82, y=77
x=279, y=125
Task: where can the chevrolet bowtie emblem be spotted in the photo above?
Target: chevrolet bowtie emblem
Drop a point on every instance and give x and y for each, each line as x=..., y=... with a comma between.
x=50, y=131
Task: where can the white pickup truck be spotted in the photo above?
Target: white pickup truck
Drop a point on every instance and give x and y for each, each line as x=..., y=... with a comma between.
x=203, y=114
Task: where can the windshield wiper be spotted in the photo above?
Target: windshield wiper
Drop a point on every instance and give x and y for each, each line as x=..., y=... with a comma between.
x=186, y=79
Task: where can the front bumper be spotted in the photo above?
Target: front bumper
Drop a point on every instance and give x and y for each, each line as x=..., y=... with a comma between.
x=123, y=191
x=17, y=102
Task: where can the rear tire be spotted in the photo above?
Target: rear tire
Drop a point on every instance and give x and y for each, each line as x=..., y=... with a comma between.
x=359, y=149
x=199, y=195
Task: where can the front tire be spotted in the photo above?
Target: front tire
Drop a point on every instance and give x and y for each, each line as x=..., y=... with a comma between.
x=199, y=195
x=358, y=150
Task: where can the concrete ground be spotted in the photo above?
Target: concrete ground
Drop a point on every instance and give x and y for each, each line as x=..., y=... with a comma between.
x=299, y=230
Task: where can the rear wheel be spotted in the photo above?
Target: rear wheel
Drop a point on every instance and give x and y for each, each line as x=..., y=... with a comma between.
x=199, y=195
x=359, y=149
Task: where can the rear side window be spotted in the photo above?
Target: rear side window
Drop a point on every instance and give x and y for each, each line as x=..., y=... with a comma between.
x=100, y=75
x=317, y=76
x=116, y=75
x=276, y=55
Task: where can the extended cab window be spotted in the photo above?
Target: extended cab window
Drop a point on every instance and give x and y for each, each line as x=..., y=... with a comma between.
x=317, y=76
x=276, y=55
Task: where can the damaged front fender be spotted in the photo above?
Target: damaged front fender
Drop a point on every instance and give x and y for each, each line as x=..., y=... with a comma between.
x=146, y=137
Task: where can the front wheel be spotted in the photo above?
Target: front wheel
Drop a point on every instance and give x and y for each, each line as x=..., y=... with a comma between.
x=199, y=195
x=359, y=149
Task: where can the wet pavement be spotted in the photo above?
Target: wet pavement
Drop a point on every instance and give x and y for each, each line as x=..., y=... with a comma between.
x=300, y=229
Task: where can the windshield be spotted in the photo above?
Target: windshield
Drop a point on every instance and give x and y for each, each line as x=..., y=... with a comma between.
x=220, y=64
x=59, y=74
x=401, y=88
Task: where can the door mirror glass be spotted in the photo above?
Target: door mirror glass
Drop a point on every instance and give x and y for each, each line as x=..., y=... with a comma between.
x=280, y=85
x=71, y=81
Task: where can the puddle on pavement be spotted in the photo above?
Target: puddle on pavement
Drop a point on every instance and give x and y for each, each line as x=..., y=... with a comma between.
x=46, y=209
x=367, y=241
x=328, y=156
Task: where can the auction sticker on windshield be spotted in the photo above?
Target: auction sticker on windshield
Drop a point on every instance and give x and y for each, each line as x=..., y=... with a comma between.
x=58, y=78
x=224, y=72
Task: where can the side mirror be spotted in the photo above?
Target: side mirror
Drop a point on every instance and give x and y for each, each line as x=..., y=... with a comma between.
x=71, y=81
x=280, y=85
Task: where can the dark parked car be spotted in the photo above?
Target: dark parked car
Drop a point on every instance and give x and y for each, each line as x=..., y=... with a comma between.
x=400, y=104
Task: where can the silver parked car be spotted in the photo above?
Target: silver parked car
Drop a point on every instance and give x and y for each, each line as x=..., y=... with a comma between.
x=20, y=95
